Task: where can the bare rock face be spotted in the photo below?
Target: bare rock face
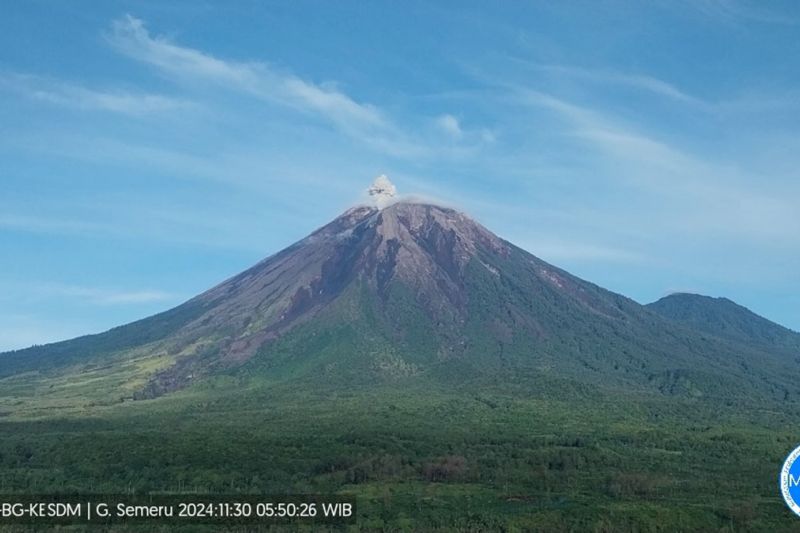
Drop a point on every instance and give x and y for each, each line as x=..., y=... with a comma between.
x=427, y=247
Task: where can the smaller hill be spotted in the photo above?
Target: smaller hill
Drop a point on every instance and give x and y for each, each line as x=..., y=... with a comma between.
x=723, y=318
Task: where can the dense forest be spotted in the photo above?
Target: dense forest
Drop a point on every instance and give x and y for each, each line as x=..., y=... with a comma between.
x=421, y=459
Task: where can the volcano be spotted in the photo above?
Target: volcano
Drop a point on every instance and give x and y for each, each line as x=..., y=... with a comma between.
x=414, y=291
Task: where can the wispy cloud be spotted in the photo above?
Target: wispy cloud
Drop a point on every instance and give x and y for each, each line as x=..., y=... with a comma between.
x=709, y=196
x=103, y=296
x=112, y=297
x=737, y=11
x=362, y=120
x=564, y=250
x=75, y=96
x=48, y=225
x=450, y=125
x=162, y=226
x=721, y=106
x=642, y=82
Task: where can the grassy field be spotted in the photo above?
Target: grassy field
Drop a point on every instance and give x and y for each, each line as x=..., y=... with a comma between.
x=418, y=458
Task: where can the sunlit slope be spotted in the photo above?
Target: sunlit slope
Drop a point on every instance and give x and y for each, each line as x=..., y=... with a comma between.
x=412, y=294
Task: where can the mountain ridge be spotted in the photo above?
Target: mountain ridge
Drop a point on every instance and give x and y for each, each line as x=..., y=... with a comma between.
x=725, y=318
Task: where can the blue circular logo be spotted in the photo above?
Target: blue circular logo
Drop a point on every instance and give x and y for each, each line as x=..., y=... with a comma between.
x=790, y=481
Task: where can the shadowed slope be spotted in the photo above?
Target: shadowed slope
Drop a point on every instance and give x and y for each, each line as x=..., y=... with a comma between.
x=420, y=292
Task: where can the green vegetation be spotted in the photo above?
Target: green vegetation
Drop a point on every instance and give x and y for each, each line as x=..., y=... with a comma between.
x=422, y=457
x=77, y=351
x=503, y=433
x=724, y=318
x=461, y=385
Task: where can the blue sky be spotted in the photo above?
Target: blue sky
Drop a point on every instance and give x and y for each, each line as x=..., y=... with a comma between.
x=151, y=149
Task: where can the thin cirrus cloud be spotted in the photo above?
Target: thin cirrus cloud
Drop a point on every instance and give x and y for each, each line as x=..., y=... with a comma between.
x=641, y=82
x=737, y=12
x=565, y=250
x=362, y=121
x=130, y=36
x=104, y=296
x=48, y=225
x=646, y=84
x=709, y=196
x=65, y=94
x=450, y=125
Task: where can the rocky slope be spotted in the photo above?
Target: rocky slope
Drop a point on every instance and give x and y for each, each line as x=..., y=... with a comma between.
x=418, y=291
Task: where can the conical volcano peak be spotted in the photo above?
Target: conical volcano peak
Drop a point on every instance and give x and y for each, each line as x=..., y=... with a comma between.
x=414, y=288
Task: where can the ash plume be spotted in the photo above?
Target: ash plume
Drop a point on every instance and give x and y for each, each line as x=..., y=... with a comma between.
x=382, y=191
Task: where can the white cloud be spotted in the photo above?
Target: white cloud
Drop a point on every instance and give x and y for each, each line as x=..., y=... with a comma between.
x=740, y=12
x=33, y=292
x=119, y=102
x=563, y=250
x=75, y=96
x=488, y=136
x=757, y=102
x=637, y=81
x=711, y=197
x=360, y=120
x=130, y=36
x=58, y=226
x=112, y=296
x=100, y=295
x=450, y=125
x=125, y=222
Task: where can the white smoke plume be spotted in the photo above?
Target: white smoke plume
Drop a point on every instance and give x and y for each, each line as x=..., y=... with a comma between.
x=382, y=191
